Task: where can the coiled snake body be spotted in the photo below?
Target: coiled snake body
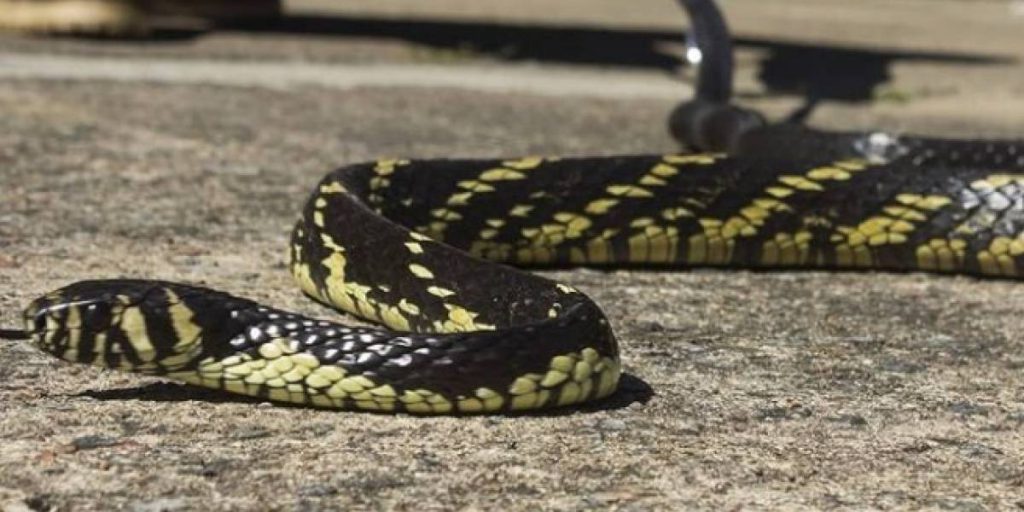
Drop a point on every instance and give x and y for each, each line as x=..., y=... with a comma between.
x=416, y=246
x=388, y=241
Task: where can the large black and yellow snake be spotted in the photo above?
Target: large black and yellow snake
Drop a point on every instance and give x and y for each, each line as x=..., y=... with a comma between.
x=416, y=246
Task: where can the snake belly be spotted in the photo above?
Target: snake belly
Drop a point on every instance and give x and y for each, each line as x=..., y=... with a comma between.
x=426, y=249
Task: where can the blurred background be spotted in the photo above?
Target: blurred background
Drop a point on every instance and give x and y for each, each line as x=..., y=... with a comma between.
x=949, y=61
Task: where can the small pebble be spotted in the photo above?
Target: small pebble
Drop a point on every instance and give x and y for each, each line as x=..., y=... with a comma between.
x=159, y=505
x=93, y=442
x=854, y=420
x=612, y=424
x=250, y=433
x=317, y=490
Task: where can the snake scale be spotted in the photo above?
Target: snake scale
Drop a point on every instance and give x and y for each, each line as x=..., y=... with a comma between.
x=426, y=249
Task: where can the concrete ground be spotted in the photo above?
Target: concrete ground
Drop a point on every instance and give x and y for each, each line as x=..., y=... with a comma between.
x=187, y=158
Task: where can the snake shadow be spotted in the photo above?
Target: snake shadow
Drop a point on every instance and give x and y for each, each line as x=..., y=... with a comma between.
x=167, y=392
x=631, y=390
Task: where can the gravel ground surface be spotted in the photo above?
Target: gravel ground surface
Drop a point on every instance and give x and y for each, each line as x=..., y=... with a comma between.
x=746, y=391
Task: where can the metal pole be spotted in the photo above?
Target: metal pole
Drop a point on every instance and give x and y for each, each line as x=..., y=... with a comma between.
x=709, y=48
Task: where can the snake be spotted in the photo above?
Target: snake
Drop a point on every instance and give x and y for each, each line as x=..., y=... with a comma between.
x=434, y=253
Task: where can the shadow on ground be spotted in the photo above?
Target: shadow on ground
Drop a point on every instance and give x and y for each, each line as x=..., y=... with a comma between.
x=631, y=390
x=816, y=72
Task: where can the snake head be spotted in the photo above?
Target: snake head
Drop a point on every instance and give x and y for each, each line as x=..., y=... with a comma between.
x=144, y=326
x=58, y=322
